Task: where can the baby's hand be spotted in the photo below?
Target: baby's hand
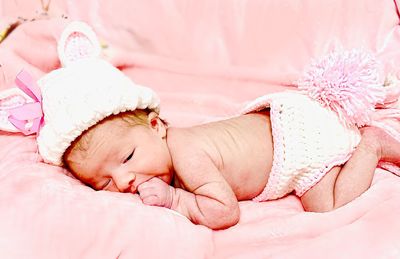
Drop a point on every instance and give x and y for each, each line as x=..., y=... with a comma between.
x=156, y=192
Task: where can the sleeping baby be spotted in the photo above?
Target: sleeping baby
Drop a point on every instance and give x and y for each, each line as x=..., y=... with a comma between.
x=106, y=130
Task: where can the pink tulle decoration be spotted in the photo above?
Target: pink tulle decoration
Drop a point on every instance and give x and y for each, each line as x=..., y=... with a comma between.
x=348, y=82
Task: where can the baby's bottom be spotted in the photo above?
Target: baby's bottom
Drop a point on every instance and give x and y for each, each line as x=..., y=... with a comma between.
x=343, y=184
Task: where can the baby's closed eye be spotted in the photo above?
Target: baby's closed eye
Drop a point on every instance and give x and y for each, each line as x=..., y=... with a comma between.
x=105, y=185
x=129, y=157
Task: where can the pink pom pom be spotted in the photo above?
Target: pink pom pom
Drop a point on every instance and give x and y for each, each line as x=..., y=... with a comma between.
x=348, y=83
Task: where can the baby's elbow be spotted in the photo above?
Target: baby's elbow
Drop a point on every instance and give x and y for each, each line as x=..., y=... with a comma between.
x=225, y=218
x=233, y=217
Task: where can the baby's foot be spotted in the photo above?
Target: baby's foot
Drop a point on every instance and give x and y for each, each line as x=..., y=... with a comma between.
x=377, y=140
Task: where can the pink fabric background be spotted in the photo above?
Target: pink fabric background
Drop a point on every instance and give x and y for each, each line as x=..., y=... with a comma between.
x=204, y=58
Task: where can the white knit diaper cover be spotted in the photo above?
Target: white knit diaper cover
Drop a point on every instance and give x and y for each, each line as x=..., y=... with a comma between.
x=308, y=141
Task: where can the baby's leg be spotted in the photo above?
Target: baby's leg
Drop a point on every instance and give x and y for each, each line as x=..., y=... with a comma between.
x=342, y=185
x=320, y=197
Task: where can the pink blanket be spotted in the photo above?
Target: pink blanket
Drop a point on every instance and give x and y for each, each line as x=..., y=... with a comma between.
x=204, y=58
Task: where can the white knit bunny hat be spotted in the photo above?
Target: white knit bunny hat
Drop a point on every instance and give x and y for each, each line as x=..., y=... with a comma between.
x=75, y=97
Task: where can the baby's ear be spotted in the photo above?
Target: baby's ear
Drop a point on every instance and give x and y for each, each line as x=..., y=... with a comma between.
x=10, y=99
x=77, y=41
x=157, y=124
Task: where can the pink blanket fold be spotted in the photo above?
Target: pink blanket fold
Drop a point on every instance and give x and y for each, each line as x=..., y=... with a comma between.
x=205, y=59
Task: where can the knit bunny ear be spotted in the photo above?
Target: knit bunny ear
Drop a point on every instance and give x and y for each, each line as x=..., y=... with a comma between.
x=78, y=41
x=21, y=108
x=10, y=99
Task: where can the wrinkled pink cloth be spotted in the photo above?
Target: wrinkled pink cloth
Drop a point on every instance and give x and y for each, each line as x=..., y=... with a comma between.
x=204, y=58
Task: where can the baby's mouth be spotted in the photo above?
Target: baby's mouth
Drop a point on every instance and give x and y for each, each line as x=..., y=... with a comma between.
x=133, y=189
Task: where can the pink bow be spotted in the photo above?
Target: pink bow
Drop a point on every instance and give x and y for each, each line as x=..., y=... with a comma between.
x=27, y=118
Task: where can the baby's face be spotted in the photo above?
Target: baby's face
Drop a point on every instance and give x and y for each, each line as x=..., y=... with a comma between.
x=121, y=157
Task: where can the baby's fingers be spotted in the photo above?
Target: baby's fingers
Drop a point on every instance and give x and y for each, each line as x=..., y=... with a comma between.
x=152, y=200
x=146, y=188
x=148, y=194
x=145, y=191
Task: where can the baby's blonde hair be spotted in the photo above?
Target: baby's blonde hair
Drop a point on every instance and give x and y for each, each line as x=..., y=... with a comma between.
x=81, y=144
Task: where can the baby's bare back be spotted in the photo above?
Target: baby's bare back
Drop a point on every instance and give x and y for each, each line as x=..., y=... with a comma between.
x=241, y=150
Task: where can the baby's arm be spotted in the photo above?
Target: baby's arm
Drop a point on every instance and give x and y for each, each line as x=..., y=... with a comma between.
x=210, y=200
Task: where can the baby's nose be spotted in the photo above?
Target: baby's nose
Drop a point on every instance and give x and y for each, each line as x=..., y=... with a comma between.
x=126, y=183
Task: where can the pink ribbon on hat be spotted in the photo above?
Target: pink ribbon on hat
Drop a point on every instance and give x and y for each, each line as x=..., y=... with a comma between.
x=27, y=118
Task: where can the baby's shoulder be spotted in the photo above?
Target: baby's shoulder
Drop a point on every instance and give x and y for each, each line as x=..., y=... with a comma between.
x=183, y=143
x=187, y=150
